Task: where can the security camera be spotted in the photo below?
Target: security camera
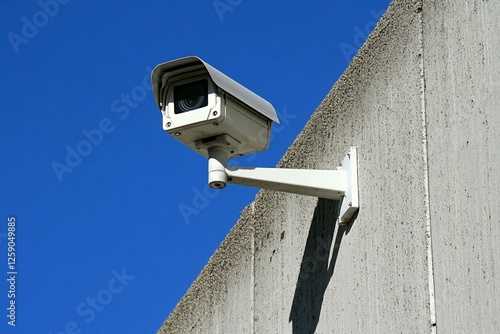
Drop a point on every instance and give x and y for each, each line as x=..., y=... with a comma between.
x=204, y=108
x=221, y=119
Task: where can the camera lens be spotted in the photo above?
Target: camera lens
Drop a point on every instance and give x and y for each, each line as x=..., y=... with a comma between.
x=191, y=96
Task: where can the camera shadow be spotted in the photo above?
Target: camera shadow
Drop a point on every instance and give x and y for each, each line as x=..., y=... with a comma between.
x=317, y=268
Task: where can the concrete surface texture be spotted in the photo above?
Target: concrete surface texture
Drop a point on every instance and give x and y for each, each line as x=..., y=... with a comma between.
x=420, y=101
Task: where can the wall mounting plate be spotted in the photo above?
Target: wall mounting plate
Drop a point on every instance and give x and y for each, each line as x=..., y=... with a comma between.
x=350, y=202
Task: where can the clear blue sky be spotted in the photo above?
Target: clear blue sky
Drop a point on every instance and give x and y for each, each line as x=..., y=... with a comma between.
x=97, y=189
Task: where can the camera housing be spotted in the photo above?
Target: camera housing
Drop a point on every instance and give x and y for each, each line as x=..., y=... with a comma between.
x=203, y=108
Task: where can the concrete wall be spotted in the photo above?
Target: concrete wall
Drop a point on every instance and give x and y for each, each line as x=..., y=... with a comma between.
x=462, y=101
x=420, y=101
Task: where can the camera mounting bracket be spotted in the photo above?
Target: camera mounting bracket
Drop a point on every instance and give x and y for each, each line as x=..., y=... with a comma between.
x=340, y=184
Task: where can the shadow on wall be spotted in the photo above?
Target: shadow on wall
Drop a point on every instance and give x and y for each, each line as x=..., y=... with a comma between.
x=316, y=269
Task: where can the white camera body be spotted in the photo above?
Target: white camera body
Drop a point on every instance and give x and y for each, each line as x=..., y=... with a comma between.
x=203, y=108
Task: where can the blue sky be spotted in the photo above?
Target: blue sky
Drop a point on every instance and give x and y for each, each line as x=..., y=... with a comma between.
x=113, y=218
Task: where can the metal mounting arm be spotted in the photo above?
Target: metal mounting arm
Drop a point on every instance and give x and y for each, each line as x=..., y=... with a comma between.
x=340, y=184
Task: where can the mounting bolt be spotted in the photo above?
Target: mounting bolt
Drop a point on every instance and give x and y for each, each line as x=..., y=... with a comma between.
x=215, y=113
x=169, y=124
